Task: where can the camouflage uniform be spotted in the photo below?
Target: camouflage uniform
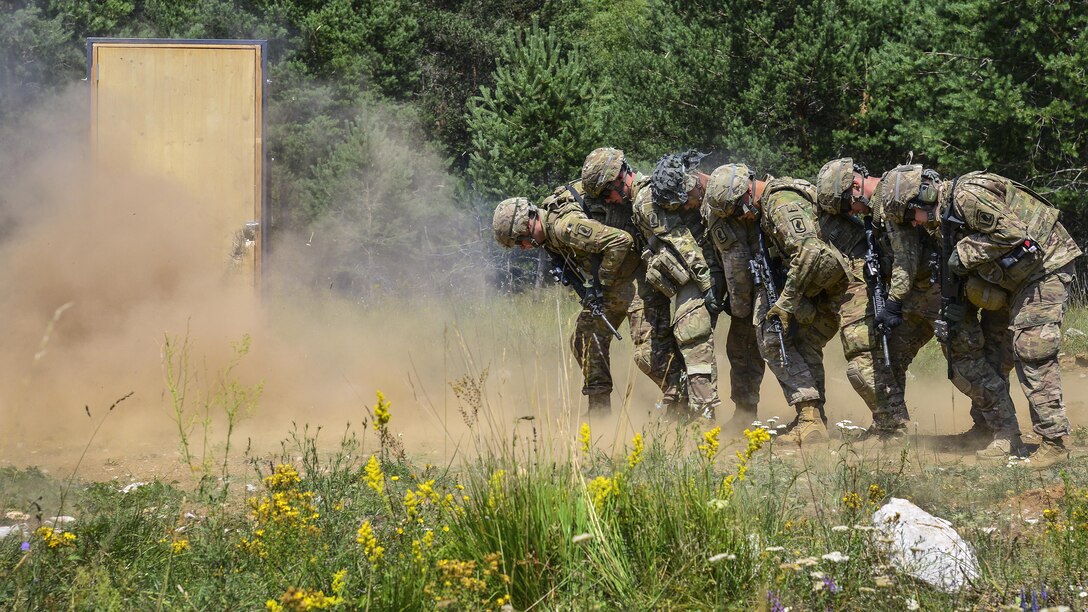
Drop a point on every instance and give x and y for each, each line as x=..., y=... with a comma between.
x=677, y=266
x=735, y=242
x=814, y=284
x=1000, y=218
x=572, y=234
x=973, y=348
x=871, y=377
x=655, y=351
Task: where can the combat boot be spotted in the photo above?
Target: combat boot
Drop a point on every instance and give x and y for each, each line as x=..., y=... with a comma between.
x=1051, y=452
x=999, y=450
x=741, y=420
x=600, y=404
x=979, y=434
x=809, y=427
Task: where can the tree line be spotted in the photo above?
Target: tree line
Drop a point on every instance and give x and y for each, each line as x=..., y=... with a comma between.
x=396, y=125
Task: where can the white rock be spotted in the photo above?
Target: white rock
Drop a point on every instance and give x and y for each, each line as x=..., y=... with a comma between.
x=251, y=488
x=129, y=488
x=924, y=546
x=13, y=530
x=1073, y=332
x=61, y=520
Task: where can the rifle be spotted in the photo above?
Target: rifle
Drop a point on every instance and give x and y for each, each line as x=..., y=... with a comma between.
x=566, y=273
x=764, y=275
x=877, y=292
x=952, y=286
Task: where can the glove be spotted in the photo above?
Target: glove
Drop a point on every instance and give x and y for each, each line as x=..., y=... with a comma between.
x=785, y=317
x=955, y=266
x=593, y=302
x=711, y=301
x=953, y=313
x=892, y=315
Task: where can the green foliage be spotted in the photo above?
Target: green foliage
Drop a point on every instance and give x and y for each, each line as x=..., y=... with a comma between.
x=531, y=131
x=357, y=42
x=507, y=97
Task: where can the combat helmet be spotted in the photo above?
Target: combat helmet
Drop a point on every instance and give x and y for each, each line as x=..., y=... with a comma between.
x=601, y=168
x=726, y=188
x=834, y=185
x=511, y=220
x=673, y=177
x=905, y=188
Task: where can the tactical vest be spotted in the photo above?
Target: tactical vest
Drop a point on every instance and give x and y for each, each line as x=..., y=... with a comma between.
x=1037, y=214
x=846, y=233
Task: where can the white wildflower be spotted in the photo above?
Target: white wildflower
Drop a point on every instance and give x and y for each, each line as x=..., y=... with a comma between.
x=835, y=557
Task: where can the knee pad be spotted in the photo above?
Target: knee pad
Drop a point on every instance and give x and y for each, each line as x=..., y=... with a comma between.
x=1039, y=343
x=693, y=327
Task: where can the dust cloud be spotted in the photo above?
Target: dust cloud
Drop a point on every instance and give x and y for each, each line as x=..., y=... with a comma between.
x=99, y=269
x=102, y=266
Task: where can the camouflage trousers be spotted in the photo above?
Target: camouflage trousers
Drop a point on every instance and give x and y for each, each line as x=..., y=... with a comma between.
x=745, y=368
x=694, y=332
x=655, y=351
x=872, y=378
x=802, y=375
x=1036, y=312
x=974, y=349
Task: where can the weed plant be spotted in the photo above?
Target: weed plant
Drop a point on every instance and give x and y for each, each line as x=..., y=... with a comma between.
x=668, y=517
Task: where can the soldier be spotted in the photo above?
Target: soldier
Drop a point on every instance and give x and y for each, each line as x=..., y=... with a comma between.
x=842, y=191
x=668, y=215
x=810, y=279
x=612, y=185
x=736, y=241
x=914, y=299
x=1008, y=242
x=595, y=252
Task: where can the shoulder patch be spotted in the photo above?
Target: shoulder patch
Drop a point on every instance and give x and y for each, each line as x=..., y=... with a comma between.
x=985, y=219
x=797, y=224
x=583, y=230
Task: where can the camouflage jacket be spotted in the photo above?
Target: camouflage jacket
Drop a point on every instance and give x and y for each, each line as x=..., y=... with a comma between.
x=572, y=234
x=910, y=251
x=681, y=231
x=618, y=216
x=735, y=242
x=789, y=222
x=999, y=217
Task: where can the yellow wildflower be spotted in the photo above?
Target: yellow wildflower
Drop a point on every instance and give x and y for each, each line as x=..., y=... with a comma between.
x=303, y=599
x=585, y=436
x=338, y=580
x=375, y=479
x=178, y=546
x=54, y=538
x=710, y=444
x=365, y=536
x=635, y=457
x=851, y=500
x=876, y=494
x=600, y=488
x=284, y=477
x=496, y=491
x=381, y=414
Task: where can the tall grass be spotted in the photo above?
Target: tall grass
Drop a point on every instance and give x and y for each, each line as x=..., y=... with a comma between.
x=546, y=513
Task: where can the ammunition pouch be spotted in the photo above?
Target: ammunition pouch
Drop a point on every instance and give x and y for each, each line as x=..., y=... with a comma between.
x=986, y=296
x=665, y=272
